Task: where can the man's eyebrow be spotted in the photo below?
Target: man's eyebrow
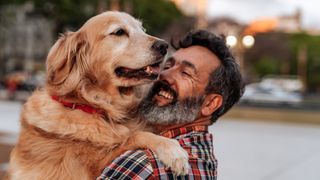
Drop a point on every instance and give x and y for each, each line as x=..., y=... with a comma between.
x=189, y=64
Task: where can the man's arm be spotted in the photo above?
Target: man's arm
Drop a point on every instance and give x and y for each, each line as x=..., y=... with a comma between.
x=132, y=164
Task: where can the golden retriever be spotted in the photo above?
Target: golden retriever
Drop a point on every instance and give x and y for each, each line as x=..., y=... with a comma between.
x=96, y=67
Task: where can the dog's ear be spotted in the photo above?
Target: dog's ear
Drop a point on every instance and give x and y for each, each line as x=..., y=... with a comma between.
x=67, y=55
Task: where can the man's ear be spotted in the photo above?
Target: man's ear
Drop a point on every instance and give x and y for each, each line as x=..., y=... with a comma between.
x=211, y=103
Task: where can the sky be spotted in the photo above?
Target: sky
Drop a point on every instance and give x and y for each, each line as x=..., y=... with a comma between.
x=248, y=10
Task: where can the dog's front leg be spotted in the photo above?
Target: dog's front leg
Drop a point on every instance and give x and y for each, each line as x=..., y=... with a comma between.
x=167, y=150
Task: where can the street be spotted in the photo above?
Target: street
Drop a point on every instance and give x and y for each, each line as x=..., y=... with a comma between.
x=245, y=149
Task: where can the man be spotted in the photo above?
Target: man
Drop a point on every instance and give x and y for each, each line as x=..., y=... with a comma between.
x=198, y=84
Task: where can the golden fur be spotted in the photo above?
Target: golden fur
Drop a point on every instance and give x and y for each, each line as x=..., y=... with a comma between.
x=57, y=142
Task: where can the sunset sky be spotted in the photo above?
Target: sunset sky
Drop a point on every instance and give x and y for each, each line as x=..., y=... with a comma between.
x=248, y=10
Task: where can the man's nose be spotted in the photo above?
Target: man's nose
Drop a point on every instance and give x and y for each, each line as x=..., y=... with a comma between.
x=168, y=75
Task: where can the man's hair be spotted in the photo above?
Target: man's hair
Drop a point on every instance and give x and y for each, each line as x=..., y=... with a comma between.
x=225, y=80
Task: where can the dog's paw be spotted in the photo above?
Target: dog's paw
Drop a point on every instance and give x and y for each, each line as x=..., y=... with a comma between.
x=173, y=156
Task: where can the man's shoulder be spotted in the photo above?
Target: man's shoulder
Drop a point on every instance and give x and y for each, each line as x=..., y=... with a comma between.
x=133, y=164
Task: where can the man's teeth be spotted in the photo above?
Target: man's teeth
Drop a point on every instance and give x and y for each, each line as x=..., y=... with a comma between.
x=165, y=94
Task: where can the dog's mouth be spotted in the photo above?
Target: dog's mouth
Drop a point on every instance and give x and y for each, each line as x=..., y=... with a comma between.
x=136, y=76
x=147, y=72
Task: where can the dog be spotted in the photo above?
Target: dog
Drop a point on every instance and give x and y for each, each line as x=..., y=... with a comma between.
x=78, y=122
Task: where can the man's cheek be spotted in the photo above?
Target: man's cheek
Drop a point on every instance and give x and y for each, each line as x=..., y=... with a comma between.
x=186, y=91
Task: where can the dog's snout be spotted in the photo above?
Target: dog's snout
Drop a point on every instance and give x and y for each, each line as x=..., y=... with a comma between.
x=160, y=46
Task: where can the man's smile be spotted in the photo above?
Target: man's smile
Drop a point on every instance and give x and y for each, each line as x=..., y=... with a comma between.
x=163, y=97
x=163, y=94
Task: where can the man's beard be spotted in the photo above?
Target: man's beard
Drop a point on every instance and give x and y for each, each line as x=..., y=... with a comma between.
x=177, y=112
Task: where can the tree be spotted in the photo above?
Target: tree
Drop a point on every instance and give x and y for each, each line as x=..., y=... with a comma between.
x=270, y=55
x=278, y=53
x=71, y=14
x=311, y=43
x=156, y=14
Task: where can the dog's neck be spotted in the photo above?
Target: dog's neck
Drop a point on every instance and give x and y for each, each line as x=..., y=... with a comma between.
x=82, y=107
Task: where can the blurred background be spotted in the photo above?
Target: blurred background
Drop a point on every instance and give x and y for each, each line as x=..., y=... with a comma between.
x=272, y=133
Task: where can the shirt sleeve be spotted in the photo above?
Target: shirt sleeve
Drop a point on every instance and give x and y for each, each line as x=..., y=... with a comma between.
x=133, y=164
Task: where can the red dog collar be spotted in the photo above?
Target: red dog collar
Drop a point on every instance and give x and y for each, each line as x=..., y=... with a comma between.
x=82, y=107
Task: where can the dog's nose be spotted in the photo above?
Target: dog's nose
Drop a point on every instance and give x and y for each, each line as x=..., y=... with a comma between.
x=160, y=46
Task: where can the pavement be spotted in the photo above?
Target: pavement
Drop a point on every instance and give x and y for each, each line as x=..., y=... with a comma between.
x=261, y=150
x=245, y=149
x=9, y=129
x=275, y=114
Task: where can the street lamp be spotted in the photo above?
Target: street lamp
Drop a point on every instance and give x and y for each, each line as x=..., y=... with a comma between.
x=231, y=40
x=246, y=42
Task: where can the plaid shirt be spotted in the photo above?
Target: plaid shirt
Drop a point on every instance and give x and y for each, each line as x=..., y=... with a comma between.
x=144, y=164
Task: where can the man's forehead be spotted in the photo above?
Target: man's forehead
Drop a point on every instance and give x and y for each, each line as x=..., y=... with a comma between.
x=197, y=55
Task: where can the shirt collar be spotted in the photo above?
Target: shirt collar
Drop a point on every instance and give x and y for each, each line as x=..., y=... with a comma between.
x=183, y=130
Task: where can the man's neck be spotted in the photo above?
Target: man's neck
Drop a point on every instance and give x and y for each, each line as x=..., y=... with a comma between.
x=203, y=121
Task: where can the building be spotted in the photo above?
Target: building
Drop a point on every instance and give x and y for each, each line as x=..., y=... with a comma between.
x=290, y=23
x=284, y=23
x=25, y=39
x=225, y=26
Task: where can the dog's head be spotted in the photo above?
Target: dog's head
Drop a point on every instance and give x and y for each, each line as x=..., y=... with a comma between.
x=108, y=55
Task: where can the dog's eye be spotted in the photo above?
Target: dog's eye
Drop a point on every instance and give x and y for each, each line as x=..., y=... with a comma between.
x=119, y=32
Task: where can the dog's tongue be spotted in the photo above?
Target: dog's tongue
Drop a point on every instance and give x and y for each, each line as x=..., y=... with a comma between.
x=156, y=69
x=126, y=70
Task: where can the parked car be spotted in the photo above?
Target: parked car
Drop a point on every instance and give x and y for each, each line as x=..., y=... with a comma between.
x=289, y=83
x=20, y=85
x=3, y=91
x=273, y=90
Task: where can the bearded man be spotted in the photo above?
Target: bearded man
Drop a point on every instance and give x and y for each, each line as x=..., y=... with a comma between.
x=199, y=83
